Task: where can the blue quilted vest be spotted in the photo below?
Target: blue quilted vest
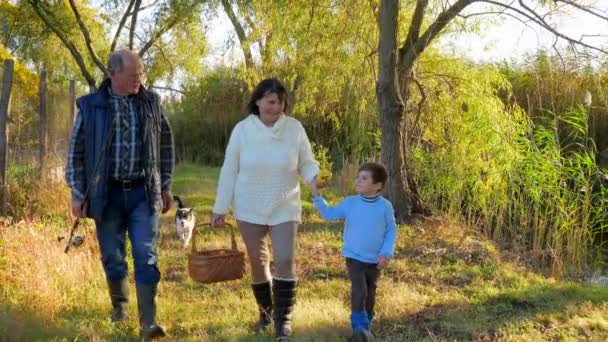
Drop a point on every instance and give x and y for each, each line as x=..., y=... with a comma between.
x=96, y=113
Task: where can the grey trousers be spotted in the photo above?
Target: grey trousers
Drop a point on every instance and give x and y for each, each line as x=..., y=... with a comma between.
x=363, y=279
x=283, y=238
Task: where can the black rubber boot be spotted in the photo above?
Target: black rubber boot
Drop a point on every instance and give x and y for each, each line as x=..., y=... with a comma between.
x=263, y=296
x=146, y=304
x=284, y=293
x=119, y=295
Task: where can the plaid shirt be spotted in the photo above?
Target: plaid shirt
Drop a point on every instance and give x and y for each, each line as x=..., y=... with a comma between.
x=75, y=173
x=126, y=140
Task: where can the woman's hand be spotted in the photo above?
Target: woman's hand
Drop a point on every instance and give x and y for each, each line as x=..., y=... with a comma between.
x=316, y=185
x=218, y=220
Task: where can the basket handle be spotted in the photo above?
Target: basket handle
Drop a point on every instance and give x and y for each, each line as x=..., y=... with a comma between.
x=207, y=224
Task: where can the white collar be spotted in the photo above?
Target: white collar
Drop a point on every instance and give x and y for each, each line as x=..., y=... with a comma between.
x=275, y=130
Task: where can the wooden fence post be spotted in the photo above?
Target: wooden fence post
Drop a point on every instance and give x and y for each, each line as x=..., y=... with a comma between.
x=5, y=97
x=72, y=100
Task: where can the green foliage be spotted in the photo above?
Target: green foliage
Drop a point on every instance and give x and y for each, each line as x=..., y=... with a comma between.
x=532, y=185
x=32, y=194
x=321, y=154
x=544, y=81
x=202, y=121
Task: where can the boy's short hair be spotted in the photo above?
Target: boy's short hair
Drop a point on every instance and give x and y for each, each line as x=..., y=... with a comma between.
x=378, y=172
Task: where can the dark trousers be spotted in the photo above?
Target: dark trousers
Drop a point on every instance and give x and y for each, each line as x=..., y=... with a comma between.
x=363, y=278
x=128, y=211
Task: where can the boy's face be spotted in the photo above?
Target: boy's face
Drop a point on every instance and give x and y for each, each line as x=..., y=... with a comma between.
x=364, y=184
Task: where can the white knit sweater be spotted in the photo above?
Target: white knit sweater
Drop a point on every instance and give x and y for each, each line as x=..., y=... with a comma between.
x=259, y=176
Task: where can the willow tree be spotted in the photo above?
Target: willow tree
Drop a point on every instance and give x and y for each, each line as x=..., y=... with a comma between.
x=398, y=56
x=155, y=29
x=325, y=53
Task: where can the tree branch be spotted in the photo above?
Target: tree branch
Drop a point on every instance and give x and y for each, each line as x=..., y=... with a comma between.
x=169, y=89
x=592, y=35
x=409, y=54
x=559, y=54
x=162, y=53
x=159, y=34
x=121, y=25
x=240, y=32
x=555, y=32
x=423, y=98
x=248, y=20
x=65, y=40
x=133, y=23
x=582, y=8
x=415, y=26
x=499, y=14
x=87, y=39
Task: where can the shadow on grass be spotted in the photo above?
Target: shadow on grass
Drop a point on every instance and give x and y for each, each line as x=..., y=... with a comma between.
x=325, y=332
x=19, y=324
x=482, y=320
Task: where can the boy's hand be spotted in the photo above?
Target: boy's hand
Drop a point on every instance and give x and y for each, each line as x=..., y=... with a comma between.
x=382, y=262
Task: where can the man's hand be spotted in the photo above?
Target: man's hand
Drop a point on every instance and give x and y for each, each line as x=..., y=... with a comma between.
x=78, y=210
x=382, y=262
x=166, y=195
x=218, y=220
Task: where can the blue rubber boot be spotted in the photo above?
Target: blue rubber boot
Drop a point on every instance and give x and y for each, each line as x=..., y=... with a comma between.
x=360, y=325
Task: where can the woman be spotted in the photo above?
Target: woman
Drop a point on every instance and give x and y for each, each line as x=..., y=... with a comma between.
x=266, y=153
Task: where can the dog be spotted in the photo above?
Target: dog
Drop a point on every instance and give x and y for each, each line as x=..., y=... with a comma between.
x=185, y=220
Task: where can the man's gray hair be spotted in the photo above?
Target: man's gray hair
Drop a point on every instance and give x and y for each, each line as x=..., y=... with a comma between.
x=116, y=61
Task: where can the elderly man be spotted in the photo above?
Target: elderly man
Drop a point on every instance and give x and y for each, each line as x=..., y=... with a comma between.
x=122, y=147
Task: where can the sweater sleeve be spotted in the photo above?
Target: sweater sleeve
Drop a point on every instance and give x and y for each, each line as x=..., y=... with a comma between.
x=74, y=170
x=390, y=236
x=307, y=165
x=330, y=213
x=228, y=173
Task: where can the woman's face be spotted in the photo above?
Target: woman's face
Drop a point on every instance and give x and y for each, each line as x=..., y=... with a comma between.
x=271, y=108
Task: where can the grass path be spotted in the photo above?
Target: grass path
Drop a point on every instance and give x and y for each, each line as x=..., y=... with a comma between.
x=446, y=283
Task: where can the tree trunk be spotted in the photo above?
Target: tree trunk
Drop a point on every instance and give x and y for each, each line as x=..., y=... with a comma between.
x=392, y=110
x=5, y=96
x=42, y=128
x=292, y=96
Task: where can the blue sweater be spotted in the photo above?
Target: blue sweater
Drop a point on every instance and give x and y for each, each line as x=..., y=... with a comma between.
x=369, y=227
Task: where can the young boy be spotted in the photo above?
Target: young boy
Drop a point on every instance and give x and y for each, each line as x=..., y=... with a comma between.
x=369, y=241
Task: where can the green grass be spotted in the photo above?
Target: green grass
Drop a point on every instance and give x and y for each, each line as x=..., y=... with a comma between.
x=446, y=284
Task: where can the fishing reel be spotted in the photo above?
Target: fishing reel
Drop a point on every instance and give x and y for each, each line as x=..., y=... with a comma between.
x=74, y=241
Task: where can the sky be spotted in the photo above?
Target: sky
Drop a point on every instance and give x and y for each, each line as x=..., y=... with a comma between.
x=512, y=39
x=508, y=39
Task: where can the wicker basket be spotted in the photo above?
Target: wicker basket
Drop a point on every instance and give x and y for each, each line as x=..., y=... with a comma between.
x=216, y=265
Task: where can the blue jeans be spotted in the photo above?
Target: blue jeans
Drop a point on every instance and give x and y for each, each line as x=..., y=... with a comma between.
x=129, y=211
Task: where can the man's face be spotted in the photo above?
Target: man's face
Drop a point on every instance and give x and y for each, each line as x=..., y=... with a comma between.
x=128, y=80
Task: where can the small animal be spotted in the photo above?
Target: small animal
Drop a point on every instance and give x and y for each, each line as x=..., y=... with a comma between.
x=184, y=221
